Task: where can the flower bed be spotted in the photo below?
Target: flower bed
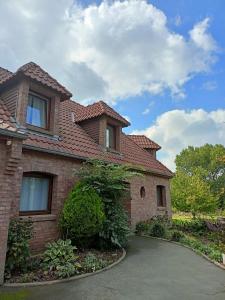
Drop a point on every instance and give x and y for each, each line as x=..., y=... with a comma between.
x=193, y=234
x=88, y=261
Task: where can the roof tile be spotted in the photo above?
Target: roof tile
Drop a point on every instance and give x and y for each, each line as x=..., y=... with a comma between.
x=5, y=118
x=96, y=110
x=144, y=142
x=75, y=141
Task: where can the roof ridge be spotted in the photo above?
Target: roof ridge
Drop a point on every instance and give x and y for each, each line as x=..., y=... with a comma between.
x=6, y=70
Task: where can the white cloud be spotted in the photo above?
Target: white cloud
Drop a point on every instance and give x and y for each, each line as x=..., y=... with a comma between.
x=113, y=50
x=200, y=36
x=148, y=109
x=209, y=85
x=177, y=129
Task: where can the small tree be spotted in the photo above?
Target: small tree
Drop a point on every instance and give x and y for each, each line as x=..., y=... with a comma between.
x=82, y=215
x=110, y=181
x=211, y=160
x=191, y=193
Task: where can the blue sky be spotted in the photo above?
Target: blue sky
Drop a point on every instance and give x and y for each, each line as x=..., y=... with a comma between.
x=205, y=90
x=160, y=63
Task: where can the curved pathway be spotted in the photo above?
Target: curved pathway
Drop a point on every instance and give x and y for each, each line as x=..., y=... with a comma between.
x=153, y=269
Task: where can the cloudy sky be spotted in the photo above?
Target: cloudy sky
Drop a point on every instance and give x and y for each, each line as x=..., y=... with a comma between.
x=159, y=63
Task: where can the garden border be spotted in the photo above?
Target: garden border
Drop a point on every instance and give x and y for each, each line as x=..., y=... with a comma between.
x=221, y=266
x=76, y=277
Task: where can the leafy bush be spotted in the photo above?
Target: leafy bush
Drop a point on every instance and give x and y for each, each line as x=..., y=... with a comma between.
x=142, y=227
x=192, y=226
x=115, y=227
x=18, y=251
x=59, y=258
x=208, y=249
x=158, y=230
x=83, y=214
x=110, y=181
x=92, y=263
x=177, y=236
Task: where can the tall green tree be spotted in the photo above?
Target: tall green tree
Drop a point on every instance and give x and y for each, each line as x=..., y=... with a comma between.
x=190, y=193
x=206, y=161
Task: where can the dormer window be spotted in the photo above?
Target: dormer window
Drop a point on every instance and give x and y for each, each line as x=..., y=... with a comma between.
x=37, y=111
x=110, y=140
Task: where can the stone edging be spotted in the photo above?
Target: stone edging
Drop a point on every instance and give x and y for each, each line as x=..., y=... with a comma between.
x=76, y=277
x=188, y=247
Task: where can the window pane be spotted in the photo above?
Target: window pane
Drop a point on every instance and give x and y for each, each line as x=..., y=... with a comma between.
x=161, y=201
x=37, y=111
x=110, y=137
x=34, y=195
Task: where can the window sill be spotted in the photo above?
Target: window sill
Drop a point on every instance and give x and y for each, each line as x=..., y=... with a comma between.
x=39, y=218
x=37, y=129
x=161, y=208
x=113, y=151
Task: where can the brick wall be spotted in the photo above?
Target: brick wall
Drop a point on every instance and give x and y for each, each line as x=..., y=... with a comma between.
x=46, y=226
x=10, y=97
x=62, y=169
x=92, y=128
x=145, y=208
x=9, y=185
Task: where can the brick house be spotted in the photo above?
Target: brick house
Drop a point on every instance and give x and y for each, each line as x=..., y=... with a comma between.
x=44, y=136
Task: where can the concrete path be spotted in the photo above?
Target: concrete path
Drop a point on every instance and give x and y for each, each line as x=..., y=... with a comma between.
x=153, y=269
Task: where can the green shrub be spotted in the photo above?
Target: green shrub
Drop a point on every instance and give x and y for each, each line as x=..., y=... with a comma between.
x=92, y=263
x=110, y=181
x=177, y=236
x=197, y=226
x=208, y=249
x=142, y=227
x=115, y=227
x=82, y=215
x=59, y=258
x=18, y=251
x=157, y=230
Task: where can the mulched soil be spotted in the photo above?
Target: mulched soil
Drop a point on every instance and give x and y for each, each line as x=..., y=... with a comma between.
x=37, y=274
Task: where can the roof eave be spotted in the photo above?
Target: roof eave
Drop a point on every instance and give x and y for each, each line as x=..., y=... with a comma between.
x=15, y=134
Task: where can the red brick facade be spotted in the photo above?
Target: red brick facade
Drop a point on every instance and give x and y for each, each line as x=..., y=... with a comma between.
x=61, y=150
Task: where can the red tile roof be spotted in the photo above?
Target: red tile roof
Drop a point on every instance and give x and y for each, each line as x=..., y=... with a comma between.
x=75, y=141
x=96, y=110
x=144, y=142
x=4, y=75
x=6, y=121
x=35, y=72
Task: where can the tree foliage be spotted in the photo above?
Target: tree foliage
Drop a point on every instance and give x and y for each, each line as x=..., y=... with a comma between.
x=191, y=193
x=110, y=181
x=204, y=168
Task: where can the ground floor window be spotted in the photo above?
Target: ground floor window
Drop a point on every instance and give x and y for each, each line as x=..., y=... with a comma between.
x=161, y=195
x=36, y=194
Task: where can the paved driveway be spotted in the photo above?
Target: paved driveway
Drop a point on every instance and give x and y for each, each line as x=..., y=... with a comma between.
x=153, y=269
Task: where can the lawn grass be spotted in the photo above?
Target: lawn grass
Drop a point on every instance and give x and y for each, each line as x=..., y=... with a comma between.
x=188, y=216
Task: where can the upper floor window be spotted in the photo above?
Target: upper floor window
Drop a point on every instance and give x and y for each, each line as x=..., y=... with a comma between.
x=161, y=195
x=36, y=195
x=142, y=192
x=37, y=111
x=110, y=137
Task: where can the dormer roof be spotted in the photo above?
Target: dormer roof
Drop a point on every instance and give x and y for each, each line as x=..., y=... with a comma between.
x=96, y=110
x=36, y=73
x=144, y=142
